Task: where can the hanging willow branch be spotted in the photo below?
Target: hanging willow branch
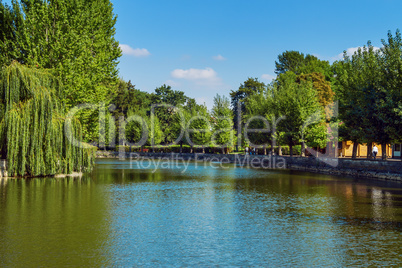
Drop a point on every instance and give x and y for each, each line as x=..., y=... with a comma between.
x=32, y=135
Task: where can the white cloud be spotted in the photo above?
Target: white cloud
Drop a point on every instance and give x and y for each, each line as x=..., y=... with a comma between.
x=136, y=52
x=268, y=77
x=350, y=51
x=219, y=57
x=195, y=74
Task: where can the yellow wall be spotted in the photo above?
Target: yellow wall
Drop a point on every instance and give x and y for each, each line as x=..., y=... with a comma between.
x=347, y=149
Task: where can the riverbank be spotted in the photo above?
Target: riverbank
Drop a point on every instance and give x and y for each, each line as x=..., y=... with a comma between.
x=371, y=169
x=3, y=169
x=4, y=174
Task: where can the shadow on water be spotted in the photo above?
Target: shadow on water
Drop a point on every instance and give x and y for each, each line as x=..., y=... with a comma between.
x=53, y=222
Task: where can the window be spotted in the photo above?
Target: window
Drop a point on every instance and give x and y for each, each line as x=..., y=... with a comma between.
x=397, y=147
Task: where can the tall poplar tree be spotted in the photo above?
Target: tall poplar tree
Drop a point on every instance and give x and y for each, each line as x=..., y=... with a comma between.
x=298, y=104
x=75, y=39
x=223, y=133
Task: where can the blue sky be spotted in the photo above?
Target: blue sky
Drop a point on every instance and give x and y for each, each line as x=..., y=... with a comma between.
x=209, y=47
x=212, y=46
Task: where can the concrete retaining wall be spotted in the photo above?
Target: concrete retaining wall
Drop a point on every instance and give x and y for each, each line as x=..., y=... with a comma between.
x=377, y=169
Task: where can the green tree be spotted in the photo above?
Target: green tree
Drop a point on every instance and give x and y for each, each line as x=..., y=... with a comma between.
x=165, y=94
x=7, y=34
x=223, y=132
x=315, y=65
x=289, y=61
x=128, y=101
x=260, y=118
x=297, y=63
x=361, y=98
x=238, y=97
x=165, y=101
x=296, y=103
x=75, y=39
x=391, y=70
x=138, y=127
x=36, y=134
x=127, y=98
x=197, y=126
x=325, y=93
x=155, y=131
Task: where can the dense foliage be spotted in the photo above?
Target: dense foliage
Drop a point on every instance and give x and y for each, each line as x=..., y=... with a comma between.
x=35, y=135
x=57, y=54
x=369, y=86
x=74, y=39
x=222, y=120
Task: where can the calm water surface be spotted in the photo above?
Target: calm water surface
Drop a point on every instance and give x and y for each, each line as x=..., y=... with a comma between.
x=126, y=214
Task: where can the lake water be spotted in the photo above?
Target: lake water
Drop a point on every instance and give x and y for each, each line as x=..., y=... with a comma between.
x=127, y=214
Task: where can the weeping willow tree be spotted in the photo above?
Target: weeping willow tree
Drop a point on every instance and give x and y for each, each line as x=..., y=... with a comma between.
x=35, y=135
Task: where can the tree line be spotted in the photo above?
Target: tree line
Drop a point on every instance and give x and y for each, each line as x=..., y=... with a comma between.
x=366, y=86
x=74, y=41
x=311, y=103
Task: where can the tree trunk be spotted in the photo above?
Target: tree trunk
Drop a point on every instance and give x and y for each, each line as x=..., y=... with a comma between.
x=318, y=151
x=291, y=150
x=354, y=153
x=369, y=150
x=280, y=150
x=181, y=147
x=383, y=151
x=191, y=150
x=328, y=150
x=302, y=152
x=203, y=150
x=335, y=155
x=265, y=150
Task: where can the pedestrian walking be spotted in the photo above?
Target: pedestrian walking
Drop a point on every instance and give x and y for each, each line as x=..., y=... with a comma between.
x=375, y=152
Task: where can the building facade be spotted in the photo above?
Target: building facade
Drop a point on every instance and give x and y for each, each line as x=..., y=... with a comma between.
x=396, y=150
x=345, y=149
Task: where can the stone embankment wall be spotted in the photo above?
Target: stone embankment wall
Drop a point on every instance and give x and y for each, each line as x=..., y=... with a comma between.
x=375, y=169
x=3, y=172
x=361, y=168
